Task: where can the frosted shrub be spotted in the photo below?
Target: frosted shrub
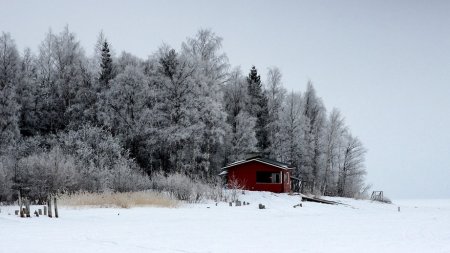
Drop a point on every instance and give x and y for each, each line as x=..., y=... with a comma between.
x=184, y=188
x=47, y=173
x=125, y=179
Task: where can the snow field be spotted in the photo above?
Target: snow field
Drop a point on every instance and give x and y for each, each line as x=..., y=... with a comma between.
x=362, y=226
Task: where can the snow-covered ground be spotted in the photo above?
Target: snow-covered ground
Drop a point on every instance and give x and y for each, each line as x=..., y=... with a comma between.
x=362, y=226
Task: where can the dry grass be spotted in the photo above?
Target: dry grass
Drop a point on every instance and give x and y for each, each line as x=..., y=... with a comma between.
x=122, y=200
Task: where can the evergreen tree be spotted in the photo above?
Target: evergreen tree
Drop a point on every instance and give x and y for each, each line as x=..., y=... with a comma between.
x=106, y=65
x=258, y=107
x=254, y=90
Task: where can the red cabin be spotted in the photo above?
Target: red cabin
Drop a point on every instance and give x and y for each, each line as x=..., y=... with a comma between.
x=258, y=174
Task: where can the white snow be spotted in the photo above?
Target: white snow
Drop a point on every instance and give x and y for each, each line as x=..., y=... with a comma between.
x=363, y=226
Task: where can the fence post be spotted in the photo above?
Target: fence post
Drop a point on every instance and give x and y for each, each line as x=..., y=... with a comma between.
x=49, y=203
x=56, y=209
x=27, y=207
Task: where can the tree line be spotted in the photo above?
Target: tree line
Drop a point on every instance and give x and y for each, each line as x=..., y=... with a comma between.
x=71, y=122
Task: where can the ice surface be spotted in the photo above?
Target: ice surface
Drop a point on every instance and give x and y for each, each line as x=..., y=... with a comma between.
x=363, y=226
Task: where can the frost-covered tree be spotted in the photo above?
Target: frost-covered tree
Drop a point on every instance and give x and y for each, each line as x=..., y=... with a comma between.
x=125, y=60
x=6, y=178
x=211, y=72
x=314, y=112
x=235, y=97
x=102, y=162
x=59, y=65
x=275, y=95
x=243, y=141
x=291, y=132
x=241, y=138
x=126, y=112
x=9, y=77
x=351, y=167
x=176, y=110
x=27, y=95
x=335, y=131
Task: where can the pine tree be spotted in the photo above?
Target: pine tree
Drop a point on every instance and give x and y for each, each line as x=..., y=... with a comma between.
x=254, y=90
x=106, y=66
x=258, y=107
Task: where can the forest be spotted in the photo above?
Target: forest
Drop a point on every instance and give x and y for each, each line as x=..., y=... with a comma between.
x=72, y=122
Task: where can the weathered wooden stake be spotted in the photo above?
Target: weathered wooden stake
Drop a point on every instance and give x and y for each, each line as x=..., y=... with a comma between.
x=56, y=209
x=20, y=201
x=27, y=207
x=49, y=204
x=40, y=211
x=399, y=209
x=45, y=210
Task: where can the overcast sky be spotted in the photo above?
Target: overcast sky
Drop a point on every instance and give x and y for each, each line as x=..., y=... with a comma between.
x=384, y=64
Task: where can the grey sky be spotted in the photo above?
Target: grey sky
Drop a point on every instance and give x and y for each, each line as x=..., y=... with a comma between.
x=384, y=64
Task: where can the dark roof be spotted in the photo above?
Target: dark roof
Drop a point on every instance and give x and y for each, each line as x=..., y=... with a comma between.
x=280, y=165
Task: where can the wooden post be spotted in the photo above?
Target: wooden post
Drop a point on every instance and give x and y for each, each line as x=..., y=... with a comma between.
x=399, y=209
x=20, y=201
x=16, y=212
x=49, y=204
x=40, y=211
x=56, y=208
x=20, y=206
x=27, y=207
x=45, y=210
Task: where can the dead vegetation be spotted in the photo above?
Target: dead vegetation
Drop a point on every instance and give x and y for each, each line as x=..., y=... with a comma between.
x=122, y=200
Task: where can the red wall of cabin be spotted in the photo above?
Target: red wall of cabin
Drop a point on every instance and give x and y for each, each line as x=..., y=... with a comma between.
x=245, y=174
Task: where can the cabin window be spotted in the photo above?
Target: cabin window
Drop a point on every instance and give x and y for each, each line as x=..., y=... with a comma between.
x=268, y=177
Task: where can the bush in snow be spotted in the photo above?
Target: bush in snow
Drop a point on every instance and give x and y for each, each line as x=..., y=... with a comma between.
x=188, y=189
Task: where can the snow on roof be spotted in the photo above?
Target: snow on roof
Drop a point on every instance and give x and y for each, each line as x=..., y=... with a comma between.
x=262, y=160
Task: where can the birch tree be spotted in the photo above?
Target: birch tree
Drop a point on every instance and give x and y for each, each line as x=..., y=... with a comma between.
x=314, y=112
x=275, y=95
x=335, y=130
x=291, y=132
x=351, y=168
